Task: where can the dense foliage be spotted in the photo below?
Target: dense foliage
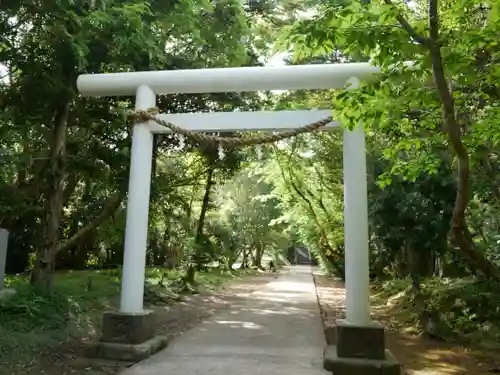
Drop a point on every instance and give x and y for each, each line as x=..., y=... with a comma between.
x=67, y=157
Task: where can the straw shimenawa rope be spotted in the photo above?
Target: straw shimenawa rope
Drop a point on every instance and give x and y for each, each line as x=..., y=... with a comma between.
x=227, y=142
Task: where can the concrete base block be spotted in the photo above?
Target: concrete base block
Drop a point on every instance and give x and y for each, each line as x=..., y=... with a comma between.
x=355, y=341
x=126, y=337
x=123, y=328
x=349, y=366
x=125, y=352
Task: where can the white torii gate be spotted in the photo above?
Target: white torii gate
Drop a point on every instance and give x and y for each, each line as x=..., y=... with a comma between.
x=146, y=85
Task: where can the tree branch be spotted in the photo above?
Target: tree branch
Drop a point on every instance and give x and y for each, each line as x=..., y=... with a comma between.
x=433, y=20
x=407, y=27
x=110, y=206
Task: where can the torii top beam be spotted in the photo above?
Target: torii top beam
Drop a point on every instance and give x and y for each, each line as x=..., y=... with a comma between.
x=190, y=81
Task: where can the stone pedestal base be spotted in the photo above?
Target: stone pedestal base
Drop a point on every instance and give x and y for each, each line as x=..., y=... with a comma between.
x=126, y=337
x=360, y=341
x=127, y=328
x=349, y=366
x=359, y=350
x=125, y=352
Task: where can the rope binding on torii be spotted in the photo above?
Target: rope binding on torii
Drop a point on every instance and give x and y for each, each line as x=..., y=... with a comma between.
x=226, y=142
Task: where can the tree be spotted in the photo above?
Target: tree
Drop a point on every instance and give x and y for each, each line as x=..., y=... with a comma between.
x=66, y=152
x=250, y=211
x=430, y=101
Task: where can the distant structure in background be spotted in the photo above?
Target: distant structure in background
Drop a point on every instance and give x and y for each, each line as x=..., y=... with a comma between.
x=300, y=255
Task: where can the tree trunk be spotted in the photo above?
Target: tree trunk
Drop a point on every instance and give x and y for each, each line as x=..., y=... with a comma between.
x=259, y=253
x=244, y=261
x=452, y=128
x=199, y=240
x=340, y=270
x=191, y=272
x=233, y=257
x=43, y=272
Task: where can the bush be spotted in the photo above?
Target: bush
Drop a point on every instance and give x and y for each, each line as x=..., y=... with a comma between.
x=463, y=309
x=28, y=310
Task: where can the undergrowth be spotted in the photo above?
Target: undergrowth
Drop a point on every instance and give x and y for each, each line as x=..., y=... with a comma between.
x=32, y=322
x=465, y=310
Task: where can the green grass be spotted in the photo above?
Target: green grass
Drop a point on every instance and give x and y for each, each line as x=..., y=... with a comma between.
x=31, y=322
